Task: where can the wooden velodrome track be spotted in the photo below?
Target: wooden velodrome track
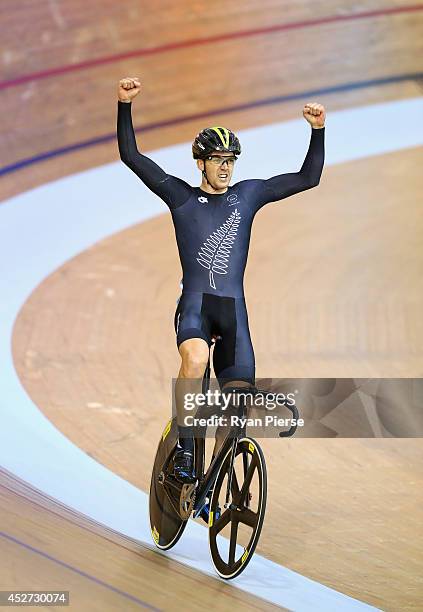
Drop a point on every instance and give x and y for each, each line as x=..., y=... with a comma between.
x=357, y=503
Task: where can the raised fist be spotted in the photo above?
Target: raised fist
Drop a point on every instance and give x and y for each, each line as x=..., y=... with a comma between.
x=315, y=114
x=128, y=89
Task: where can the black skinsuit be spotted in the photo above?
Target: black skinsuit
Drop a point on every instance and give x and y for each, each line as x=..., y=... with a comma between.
x=213, y=235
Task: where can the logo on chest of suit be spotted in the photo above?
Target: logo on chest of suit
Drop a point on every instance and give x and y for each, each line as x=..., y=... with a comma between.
x=202, y=200
x=233, y=199
x=215, y=253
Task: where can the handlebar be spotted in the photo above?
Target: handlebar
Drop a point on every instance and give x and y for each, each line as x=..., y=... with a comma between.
x=254, y=391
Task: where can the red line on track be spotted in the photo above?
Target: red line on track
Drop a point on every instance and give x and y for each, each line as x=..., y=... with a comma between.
x=194, y=42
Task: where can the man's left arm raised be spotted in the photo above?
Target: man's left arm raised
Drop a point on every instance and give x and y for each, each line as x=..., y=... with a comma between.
x=285, y=185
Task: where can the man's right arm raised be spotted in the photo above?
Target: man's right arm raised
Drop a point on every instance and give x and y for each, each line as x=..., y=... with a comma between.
x=173, y=191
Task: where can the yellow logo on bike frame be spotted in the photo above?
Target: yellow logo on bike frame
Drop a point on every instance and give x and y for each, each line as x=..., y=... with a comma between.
x=251, y=447
x=211, y=519
x=166, y=430
x=155, y=535
x=244, y=556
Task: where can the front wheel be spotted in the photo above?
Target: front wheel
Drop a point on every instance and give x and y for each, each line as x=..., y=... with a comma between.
x=234, y=531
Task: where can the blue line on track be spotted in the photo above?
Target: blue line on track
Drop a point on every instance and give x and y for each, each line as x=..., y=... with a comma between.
x=78, y=571
x=217, y=111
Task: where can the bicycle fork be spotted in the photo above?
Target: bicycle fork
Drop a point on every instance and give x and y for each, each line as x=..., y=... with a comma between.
x=231, y=471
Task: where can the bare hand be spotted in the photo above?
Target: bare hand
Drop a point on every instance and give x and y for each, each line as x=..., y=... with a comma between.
x=128, y=89
x=315, y=114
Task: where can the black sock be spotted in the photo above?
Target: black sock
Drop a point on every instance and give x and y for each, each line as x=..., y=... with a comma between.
x=186, y=437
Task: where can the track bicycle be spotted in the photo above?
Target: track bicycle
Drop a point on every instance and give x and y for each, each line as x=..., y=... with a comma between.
x=233, y=489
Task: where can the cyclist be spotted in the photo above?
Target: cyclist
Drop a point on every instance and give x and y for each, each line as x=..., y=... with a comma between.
x=212, y=226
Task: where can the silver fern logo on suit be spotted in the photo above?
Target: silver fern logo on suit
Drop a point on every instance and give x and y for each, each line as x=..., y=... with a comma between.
x=215, y=253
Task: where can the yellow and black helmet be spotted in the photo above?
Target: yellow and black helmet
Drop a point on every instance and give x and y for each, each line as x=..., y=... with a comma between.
x=215, y=139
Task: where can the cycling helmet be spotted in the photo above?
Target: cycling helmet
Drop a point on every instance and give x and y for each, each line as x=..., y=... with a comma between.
x=215, y=139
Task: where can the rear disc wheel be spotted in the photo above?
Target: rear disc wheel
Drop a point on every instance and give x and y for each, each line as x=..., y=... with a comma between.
x=165, y=523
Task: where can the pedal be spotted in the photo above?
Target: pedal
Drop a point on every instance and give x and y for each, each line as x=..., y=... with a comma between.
x=205, y=513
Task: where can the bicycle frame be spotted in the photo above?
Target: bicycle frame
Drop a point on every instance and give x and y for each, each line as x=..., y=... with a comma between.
x=206, y=481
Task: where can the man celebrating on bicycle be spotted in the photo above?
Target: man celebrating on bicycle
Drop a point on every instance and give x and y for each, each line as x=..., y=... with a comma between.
x=212, y=227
